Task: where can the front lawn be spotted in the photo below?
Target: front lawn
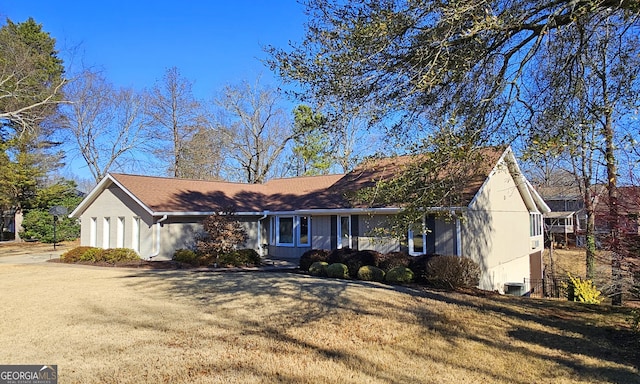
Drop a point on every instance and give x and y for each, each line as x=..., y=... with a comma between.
x=117, y=325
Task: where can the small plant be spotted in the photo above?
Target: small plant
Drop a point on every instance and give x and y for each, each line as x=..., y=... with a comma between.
x=338, y=271
x=311, y=257
x=370, y=273
x=319, y=268
x=399, y=275
x=583, y=291
x=239, y=258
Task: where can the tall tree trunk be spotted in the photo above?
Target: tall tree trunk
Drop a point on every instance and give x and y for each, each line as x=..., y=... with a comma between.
x=613, y=218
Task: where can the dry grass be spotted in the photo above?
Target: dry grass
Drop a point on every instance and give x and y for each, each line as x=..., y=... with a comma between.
x=127, y=326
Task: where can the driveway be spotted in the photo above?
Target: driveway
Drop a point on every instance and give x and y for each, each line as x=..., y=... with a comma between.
x=30, y=253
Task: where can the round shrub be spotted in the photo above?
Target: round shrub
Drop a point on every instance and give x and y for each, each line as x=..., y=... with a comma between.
x=118, y=255
x=370, y=273
x=354, y=261
x=319, y=268
x=92, y=255
x=452, y=272
x=399, y=275
x=338, y=271
x=239, y=258
x=186, y=256
x=312, y=256
x=74, y=255
x=391, y=260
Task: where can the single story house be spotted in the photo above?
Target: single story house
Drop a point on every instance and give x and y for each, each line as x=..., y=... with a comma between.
x=499, y=224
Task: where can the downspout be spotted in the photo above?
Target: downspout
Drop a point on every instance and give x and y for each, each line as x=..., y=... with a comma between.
x=264, y=216
x=158, y=225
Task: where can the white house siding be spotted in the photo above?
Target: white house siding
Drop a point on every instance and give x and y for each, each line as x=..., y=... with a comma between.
x=112, y=203
x=495, y=232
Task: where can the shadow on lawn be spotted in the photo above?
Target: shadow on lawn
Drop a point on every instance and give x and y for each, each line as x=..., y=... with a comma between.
x=300, y=299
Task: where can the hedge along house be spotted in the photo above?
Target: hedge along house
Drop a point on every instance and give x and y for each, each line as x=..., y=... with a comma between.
x=499, y=225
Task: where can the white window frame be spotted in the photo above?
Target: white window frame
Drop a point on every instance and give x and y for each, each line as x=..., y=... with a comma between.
x=349, y=235
x=410, y=236
x=293, y=231
x=299, y=231
x=535, y=224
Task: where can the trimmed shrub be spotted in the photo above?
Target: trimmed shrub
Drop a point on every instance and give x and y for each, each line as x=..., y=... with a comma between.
x=118, y=255
x=186, y=256
x=337, y=270
x=311, y=257
x=74, y=255
x=239, y=258
x=319, y=268
x=370, y=273
x=340, y=255
x=399, y=275
x=583, y=291
x=91, y=255
x=357, y=260
x=452, y=272
x=391, y=260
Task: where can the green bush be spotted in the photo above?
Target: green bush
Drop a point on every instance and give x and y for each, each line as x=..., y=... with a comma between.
x=319, y=268
x=338, y=270
x=98, y=255
x=451, y=272
x=634, y=320
x=92, y=255
x=399, y=275
x=117, y=255
x=38, y=224
x=74, y=255
x=311, y=257
x=370, y=273
x=186, y=256
x=239, y=258
x=583, y=291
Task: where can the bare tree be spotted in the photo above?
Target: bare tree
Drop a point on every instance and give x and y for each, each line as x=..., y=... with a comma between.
x=176, y=115
x=259, y=130
x=202, y=155
x=106, y=123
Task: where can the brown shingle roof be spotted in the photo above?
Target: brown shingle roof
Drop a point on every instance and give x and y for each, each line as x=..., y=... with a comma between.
x=161, y=194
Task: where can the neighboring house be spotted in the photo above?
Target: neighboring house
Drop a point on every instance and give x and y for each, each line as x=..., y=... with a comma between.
x=499, y=225
x=566, y=223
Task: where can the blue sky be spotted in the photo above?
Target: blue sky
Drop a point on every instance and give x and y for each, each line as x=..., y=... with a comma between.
x=213, y=43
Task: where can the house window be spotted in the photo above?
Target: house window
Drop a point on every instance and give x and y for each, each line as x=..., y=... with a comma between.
x=93, y=232
x=106, y=232
x=417, y=239
x=120, y=233
x=304, y=231
x=344, y=230
x=284, y=234
x=135, y=238
x=535, y=224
